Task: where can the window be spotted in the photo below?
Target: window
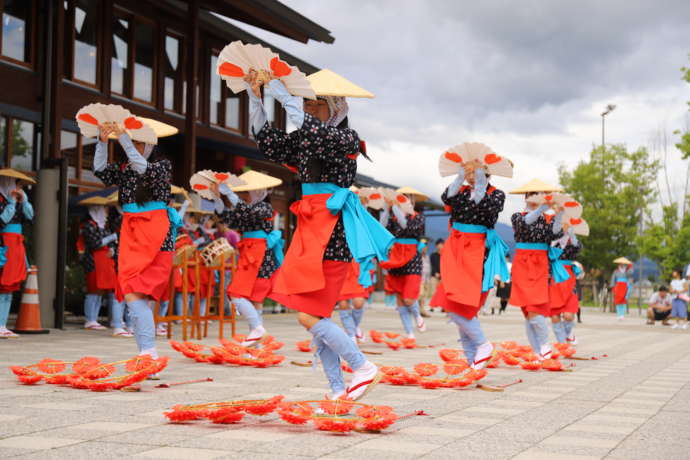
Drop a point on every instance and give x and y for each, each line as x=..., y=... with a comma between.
x=119, y=61
x=173, y=92
x=22, y=145
x=132, y=68
x=79, y=152
x=3, y=136
x=232, y=110
x=143, y=62
x=16, y=29
x=215, y=89
x=224, y=107
x=83, y=37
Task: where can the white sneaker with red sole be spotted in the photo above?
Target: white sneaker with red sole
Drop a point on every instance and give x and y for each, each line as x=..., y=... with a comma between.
x=484, y=354
x=545, y=352
x=254, y=337
x=421, y=325
x=363, y=380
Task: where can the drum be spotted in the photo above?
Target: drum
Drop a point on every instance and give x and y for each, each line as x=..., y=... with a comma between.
x=216, y=251
x=184, y=251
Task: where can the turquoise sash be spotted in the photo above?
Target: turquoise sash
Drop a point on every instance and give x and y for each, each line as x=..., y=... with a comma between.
x=495, y=263
x=274, y=242
x=12, y=228
x=173, y=215
x=365, y=236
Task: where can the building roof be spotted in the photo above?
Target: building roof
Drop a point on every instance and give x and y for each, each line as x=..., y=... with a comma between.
x=270, y=15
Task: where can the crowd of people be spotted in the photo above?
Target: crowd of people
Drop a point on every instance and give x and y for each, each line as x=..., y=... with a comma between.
x=128, y=242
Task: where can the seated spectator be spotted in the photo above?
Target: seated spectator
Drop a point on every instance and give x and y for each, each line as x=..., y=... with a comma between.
x=659, y=307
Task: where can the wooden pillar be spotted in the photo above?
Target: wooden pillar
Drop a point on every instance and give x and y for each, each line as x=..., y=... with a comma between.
x=193, y=45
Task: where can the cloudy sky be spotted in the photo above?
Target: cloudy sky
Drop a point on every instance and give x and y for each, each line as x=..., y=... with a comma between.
x=529, y=78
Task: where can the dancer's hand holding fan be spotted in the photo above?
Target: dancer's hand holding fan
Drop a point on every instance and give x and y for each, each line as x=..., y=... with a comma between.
x=115, y=119
x=458, y=157
x=204, y=181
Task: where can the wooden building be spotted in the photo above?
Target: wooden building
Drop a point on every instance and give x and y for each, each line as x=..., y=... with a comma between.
x=59, y=55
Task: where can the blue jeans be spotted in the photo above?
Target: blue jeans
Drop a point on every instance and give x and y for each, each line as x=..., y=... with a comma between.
x=5, y=304
x=117, y=312
x=92, y=306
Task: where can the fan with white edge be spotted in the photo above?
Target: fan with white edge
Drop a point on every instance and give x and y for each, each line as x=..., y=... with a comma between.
x=92, y=116
x=571, y=207
x=236, y=59
x=579, y=225
x=398, y=199
x=452, y=160
x=202, y=181
x=374, y=197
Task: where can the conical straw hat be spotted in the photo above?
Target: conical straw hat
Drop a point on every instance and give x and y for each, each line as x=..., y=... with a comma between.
x=255, y=180
x=99, y=200
x=9, y=172
x=622, y=260
x=411, y=191
x=328, y=83
x=536, y=185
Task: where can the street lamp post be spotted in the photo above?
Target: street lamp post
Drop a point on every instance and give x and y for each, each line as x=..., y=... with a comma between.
x=609, y=108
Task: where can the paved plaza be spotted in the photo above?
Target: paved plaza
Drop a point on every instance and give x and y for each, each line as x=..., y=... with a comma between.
x=633, y=404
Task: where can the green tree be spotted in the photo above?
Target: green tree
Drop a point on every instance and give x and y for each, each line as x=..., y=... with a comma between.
x=684, y=144
x=616, y=188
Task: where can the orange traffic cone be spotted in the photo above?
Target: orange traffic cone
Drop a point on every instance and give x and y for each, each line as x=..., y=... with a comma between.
x=29, y=318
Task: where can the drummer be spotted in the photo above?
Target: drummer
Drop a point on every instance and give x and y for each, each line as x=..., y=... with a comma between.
x=247, y=208
x=15, y=210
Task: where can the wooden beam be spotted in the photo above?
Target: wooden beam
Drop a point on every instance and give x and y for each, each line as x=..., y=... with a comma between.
x=192, y=44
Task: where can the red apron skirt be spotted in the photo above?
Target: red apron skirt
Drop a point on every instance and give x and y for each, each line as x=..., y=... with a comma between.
x=13, y=273
x=252, y=252
x=143, y=267
x=561, y=295
x=530, y=281
x=399, y=255
x=387, y=288
x=322, y=301
x=462, y=269
x=103, y=276
x=620, y=290
x=351, y=287
x=406, y=286
x=305, y=282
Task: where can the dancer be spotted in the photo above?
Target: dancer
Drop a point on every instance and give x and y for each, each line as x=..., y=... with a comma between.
x=562, y=294
x=247, y=209
x=148, y=228
x=405, y=263
x=15, y=211
x=351, y=303
x=534, y=231
x=99, y=265
x=472, y=258
x=621, y=286
x=332, y=226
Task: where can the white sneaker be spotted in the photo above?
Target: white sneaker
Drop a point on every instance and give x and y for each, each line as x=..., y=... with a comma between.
x=675, y=326
x=254, y=337
x=545, y=352
x=119, y=332
x=363, y=380
x=7, y=334
x=571, y=339
x=94, y=326
x=335, y=396
x=360, y=335
x=684, y=326
x=410, y=335
x=484, y=353
x=421, y=325
x=161, y=331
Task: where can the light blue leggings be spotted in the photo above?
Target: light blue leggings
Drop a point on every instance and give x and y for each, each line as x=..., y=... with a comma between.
x=537, y=332
x=406, y=315
x=471, y=335
x=559, y=331
x=248, y=312
x=621, y=310
x=5, y=304
x=332, y=343
x=92, y=307
x=144, y=327
x=348, y=321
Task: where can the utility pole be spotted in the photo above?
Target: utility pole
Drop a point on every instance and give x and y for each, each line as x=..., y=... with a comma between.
x=609, y=108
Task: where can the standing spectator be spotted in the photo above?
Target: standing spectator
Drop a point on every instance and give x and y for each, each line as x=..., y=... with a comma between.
x=659, y=307
x=679, y=306
x=435, y=261
x=503, y=289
